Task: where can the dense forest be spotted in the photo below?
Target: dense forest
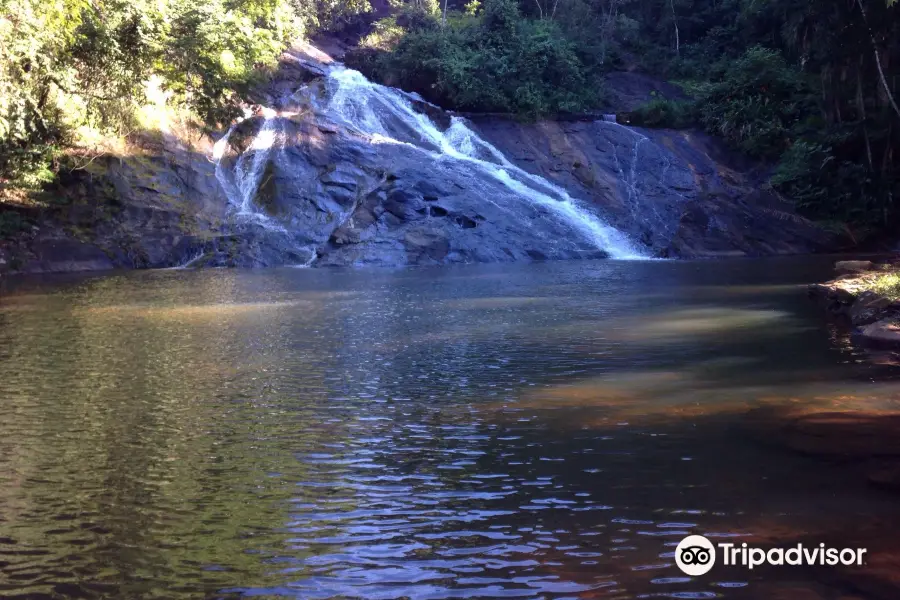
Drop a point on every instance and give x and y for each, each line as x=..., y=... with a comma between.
x=808, y=87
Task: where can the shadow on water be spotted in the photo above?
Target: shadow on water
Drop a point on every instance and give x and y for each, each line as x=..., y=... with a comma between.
x=548, y=430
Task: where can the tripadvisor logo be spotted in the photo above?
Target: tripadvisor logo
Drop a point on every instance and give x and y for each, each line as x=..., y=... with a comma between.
x=696, y=555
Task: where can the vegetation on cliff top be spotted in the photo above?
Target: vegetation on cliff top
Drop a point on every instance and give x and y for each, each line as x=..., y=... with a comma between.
x=488, y=59
x=809, y=86
x=75, y=72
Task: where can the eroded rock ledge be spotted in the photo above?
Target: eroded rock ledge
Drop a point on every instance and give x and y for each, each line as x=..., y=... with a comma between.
x=858, y=296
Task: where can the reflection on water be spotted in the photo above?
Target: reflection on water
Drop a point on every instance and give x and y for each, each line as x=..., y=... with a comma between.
x=546, y=430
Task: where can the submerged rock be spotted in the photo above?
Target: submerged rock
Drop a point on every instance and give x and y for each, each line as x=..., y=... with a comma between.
x=845, y=434
x=845, y=267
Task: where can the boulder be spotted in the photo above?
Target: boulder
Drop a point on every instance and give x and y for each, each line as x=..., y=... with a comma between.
x=884, y=332
x=849, y=267
x=868, y=308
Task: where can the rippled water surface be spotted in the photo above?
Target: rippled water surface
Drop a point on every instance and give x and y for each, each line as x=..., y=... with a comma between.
x=548, y=430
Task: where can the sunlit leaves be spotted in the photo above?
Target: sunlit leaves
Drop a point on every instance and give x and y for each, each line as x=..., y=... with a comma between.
x=497, y=61
x=70, y=64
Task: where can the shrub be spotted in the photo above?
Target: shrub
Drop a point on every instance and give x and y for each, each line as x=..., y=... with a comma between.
x=498, y=62
x=887, y=285
x=825, y=186
x=757, y=103
x=79, y=66
x=662, y=112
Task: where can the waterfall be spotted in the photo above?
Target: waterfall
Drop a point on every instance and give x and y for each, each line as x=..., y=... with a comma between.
x=629, y=178
x=219, y=149
x=242, y=182
x=251, y=165
x=386, y=116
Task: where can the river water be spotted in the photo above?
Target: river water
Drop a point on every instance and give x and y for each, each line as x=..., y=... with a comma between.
x=546, y=430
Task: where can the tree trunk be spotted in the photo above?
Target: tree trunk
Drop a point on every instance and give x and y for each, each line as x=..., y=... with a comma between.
x=861, y=105
x=675, y=22
x=884, y=83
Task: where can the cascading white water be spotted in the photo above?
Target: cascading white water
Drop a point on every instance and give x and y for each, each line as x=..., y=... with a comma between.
x=386, y=115
x=241, y=184
x=251, y=165
x=219, y=149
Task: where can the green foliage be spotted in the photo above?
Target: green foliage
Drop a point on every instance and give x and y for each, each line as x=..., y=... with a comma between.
x=887, y=285
x=74, y=64
x=827, y=185
x=795, y=82
x=385, y=35
x=497, y=62
x=334, y=15
x=662, y=112
x=757, y=103
x=214, y=49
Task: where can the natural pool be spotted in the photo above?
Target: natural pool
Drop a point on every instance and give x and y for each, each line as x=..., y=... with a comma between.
x=546, y=430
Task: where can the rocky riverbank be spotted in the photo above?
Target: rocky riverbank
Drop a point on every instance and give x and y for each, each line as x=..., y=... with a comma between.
x=865, y=295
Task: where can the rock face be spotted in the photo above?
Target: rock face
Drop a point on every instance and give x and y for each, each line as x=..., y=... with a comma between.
x=677, y=192
x=351, y=202
x=629, y=90
x=152, y=208
x=343, y=172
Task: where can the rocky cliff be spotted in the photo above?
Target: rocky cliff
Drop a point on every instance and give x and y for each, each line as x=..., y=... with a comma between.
x=338, y=171
x=679, y=193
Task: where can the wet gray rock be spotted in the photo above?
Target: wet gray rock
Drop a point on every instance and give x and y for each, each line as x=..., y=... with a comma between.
x=868, y=308
x=426, y=244
x=68, y=255
x=680, y=193
x=330, y=194
x=396, y=206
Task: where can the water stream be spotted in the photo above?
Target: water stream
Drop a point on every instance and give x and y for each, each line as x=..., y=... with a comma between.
x=387, y=116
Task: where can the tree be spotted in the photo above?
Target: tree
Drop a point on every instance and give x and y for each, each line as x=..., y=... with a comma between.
x=884, y=83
